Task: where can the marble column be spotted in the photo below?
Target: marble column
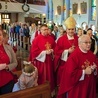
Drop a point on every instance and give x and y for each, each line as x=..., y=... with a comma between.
x=67, y=5
x=47, y=11
x=62, y=11
x=50, y=10
x=96, y=21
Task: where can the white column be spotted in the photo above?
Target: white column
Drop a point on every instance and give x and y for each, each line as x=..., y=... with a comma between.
x=0, y=18
x=96, y=21
x=62, y=11
x=67, y=4
x=50, y=10
x=47, y=11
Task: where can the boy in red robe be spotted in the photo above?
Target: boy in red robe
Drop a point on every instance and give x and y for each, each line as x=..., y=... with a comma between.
x=42, y=56
x=66, y=44
x=79, y=76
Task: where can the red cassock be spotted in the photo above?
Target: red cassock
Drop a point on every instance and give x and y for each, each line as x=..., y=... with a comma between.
x=45, y=69
x=71, y=83
x=52, y=35
x=62, y=44
x=37, y=33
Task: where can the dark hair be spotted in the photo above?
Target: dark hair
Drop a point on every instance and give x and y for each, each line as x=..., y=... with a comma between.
x=84, y=32
x=89, y=29
x=44, y=25
x=79, y=28
x=28, y=68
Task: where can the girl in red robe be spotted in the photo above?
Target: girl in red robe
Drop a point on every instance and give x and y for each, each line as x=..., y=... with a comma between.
x=42, y=56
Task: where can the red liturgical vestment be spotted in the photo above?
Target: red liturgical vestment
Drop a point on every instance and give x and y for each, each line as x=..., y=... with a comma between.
x=45, y=67
x=71, y=83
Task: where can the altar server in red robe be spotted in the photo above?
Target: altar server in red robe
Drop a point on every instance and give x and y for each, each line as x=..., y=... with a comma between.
x=42, y=56
x=66, y=44
x=79, y=75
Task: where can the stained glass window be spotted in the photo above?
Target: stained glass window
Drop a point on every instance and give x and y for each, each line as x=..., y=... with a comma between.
x=93, y=2
x=93, y=9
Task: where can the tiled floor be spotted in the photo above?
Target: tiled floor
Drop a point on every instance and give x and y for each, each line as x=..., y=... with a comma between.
x=22, y=55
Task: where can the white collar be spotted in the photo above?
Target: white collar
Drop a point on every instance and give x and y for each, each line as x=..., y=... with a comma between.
x=70, y=37
x=28, y=74
x=83, y=51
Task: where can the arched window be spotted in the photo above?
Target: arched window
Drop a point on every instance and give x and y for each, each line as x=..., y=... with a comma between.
x=93, y=9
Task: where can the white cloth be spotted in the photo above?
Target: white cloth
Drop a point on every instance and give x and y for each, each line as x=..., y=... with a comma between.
x=64, y=56
x=83, y=75
x=42, y=56
x=16, y=87
x=69, y=37
x=95, y=51
x=32, y=37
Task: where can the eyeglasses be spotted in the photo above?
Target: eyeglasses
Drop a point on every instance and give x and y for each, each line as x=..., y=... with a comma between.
x=87, y=42
x=44, y=29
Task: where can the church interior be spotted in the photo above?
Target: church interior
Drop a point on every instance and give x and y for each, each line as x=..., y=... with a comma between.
x=31, y=14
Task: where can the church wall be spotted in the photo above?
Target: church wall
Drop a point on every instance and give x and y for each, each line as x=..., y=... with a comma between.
x=21, y=17
x=83, y=17
x=14, y=8
x=13, y=17
x=17, y=7
x=79, y=17
x=57, y=17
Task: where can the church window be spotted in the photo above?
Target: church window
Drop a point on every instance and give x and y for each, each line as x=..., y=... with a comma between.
x=93, y=9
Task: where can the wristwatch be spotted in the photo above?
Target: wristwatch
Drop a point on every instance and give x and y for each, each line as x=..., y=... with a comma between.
x=25, y=7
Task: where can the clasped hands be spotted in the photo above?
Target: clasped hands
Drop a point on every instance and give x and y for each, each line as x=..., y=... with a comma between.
x=90, y=69
x=71, y=49
x=49, y=51
x=3, y=66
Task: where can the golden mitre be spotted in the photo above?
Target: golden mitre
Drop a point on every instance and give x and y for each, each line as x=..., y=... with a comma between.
x=70, y=22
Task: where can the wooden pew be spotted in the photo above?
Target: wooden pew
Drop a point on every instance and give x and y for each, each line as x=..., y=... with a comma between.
x=21, y=41
x=25, y=42
x=18, y=73
x=41, y=91
x=19, y=65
